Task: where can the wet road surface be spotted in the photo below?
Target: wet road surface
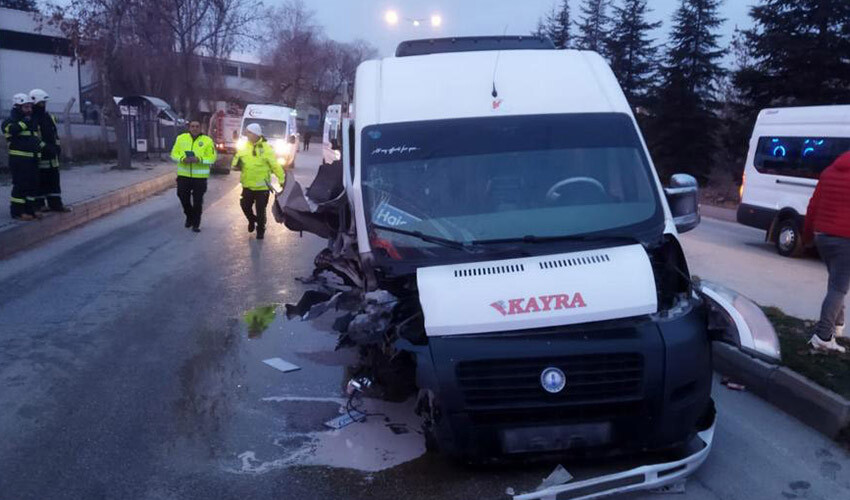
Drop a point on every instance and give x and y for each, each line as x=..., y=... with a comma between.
x=127, y=372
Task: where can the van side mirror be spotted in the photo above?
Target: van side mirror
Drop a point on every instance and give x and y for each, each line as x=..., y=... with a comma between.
x=683, y=198
x=335, y=144
x=293, y=139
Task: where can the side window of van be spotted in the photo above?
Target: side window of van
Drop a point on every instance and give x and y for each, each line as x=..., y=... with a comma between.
x=803, y=157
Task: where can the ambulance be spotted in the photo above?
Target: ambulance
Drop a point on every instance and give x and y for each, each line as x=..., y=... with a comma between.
x=279, y=128
x=503, y=192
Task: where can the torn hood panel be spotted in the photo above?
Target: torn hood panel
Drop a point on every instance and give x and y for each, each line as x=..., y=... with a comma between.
x=537, y=292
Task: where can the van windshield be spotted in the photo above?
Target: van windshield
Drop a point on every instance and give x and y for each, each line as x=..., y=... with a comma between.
x=481, y=179
x=272, y=129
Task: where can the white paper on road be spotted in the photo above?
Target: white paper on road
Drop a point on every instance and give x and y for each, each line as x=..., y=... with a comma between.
x=284, y=366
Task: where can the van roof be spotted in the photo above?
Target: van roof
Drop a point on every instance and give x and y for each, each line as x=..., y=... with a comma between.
x=472, y=44
x=839, y=114
x=461, y=85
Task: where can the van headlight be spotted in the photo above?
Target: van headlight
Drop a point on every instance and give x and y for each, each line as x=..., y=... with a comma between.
x=241, y=143
x=280, y=147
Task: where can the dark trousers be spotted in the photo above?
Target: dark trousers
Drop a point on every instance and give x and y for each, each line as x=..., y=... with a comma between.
x=24, y=185
x=835, y=252
x=248, y=201
x=49, y=190
x=191, y=193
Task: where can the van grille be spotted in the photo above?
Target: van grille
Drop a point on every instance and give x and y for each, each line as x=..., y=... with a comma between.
x=488, y=271
x=513, y=383
x=574, y=262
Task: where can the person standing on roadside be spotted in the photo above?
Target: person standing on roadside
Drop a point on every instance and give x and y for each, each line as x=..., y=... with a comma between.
x=258, y=162
x=49, y=188
x=195, y=154
x=307, y=136
x=828, y=224
x=21, y=133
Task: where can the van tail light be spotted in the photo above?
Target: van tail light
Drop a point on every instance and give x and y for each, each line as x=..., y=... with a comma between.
x=741, y=189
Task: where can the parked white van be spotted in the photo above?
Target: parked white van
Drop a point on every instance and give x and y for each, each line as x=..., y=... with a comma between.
x=279, y=128
x=331, y=141
x=789, y=149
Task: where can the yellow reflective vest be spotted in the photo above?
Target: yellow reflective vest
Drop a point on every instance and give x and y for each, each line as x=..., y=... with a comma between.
x=202, y=147
x=258, y=163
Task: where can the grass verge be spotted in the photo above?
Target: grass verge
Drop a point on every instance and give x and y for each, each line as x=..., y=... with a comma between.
x=829, y=370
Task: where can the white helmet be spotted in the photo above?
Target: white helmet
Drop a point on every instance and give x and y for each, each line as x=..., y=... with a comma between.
x=255, y=129
x=38, y=95
x=19, y=99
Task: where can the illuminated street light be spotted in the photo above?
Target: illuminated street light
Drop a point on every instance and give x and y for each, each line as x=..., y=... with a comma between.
x=391, y=17
x=436, y=21
x=416, y=22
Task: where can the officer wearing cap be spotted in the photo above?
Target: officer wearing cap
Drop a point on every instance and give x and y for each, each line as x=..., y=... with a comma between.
x=21, y=133
x=258, y=161
x=50, y=193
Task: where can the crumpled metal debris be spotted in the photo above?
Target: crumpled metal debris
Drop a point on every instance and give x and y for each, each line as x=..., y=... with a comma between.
x=558, y=476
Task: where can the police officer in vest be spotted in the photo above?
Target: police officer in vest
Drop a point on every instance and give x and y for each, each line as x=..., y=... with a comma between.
x=48, y=165
x=258, y=162
x=21, y=133
x=195, y=154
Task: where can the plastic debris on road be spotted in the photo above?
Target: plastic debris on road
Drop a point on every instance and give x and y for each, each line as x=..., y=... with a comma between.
x=284, y=366
x=677, y=488
x=732, y=385
x=344, y=420
x=557, y=477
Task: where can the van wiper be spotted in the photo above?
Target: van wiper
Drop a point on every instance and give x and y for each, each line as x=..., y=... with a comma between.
x=458, y=245
x=530, y=238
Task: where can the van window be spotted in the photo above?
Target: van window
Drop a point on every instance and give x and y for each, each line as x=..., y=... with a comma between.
x=804, y=157
x=272, y=129
x=482, y=179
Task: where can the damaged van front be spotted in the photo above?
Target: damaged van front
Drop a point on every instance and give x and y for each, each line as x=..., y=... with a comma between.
x=502, y=194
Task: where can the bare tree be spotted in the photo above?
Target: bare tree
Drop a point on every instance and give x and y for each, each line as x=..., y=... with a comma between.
x=340, y=61
x=292, y=63
x=98, y=29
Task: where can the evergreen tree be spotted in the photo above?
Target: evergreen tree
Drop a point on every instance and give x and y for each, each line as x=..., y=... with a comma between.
x=631, y=51
x=27, y=5
x=685, y=123
x=593, y=26
x=800, y=48
x=556, y=26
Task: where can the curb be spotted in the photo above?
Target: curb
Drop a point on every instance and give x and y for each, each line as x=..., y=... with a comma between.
x=27, y=235
x=713, y=212
x=819, y=408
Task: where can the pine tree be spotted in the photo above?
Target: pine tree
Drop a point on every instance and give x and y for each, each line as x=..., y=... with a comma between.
x=593, y=26
x=631, y=52
x=801, y=52
x=27, y=5
x=684, y=124
x=556, y=26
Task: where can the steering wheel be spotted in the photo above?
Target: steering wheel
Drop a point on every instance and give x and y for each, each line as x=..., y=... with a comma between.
x=553, y=195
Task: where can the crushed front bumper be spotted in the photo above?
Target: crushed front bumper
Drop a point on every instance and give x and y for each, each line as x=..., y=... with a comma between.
x=643, y=478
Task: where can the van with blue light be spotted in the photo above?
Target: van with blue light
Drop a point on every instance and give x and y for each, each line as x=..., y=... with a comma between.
x=280, y=129
x=789, y=148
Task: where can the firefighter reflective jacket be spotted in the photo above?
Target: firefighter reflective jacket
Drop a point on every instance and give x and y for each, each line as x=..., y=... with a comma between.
x=202, y=147
x=50, y=148
x=258, y=163
x=21, y=132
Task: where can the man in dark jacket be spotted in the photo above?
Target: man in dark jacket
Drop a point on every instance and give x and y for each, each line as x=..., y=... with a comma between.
x=828, y=223
x=21, y=133
x=50, y=191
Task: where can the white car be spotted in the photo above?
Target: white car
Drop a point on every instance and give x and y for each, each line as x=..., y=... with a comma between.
x=789, y=148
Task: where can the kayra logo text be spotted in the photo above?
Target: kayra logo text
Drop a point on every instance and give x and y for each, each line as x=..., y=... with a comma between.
x=538, y=304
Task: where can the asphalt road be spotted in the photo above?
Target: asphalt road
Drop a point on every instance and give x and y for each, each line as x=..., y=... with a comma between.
x=738, y=257
x=127, y=373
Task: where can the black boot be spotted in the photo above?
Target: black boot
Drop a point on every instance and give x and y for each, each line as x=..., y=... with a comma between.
x=261, y=232
x=251, y=225
x=188, y=222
